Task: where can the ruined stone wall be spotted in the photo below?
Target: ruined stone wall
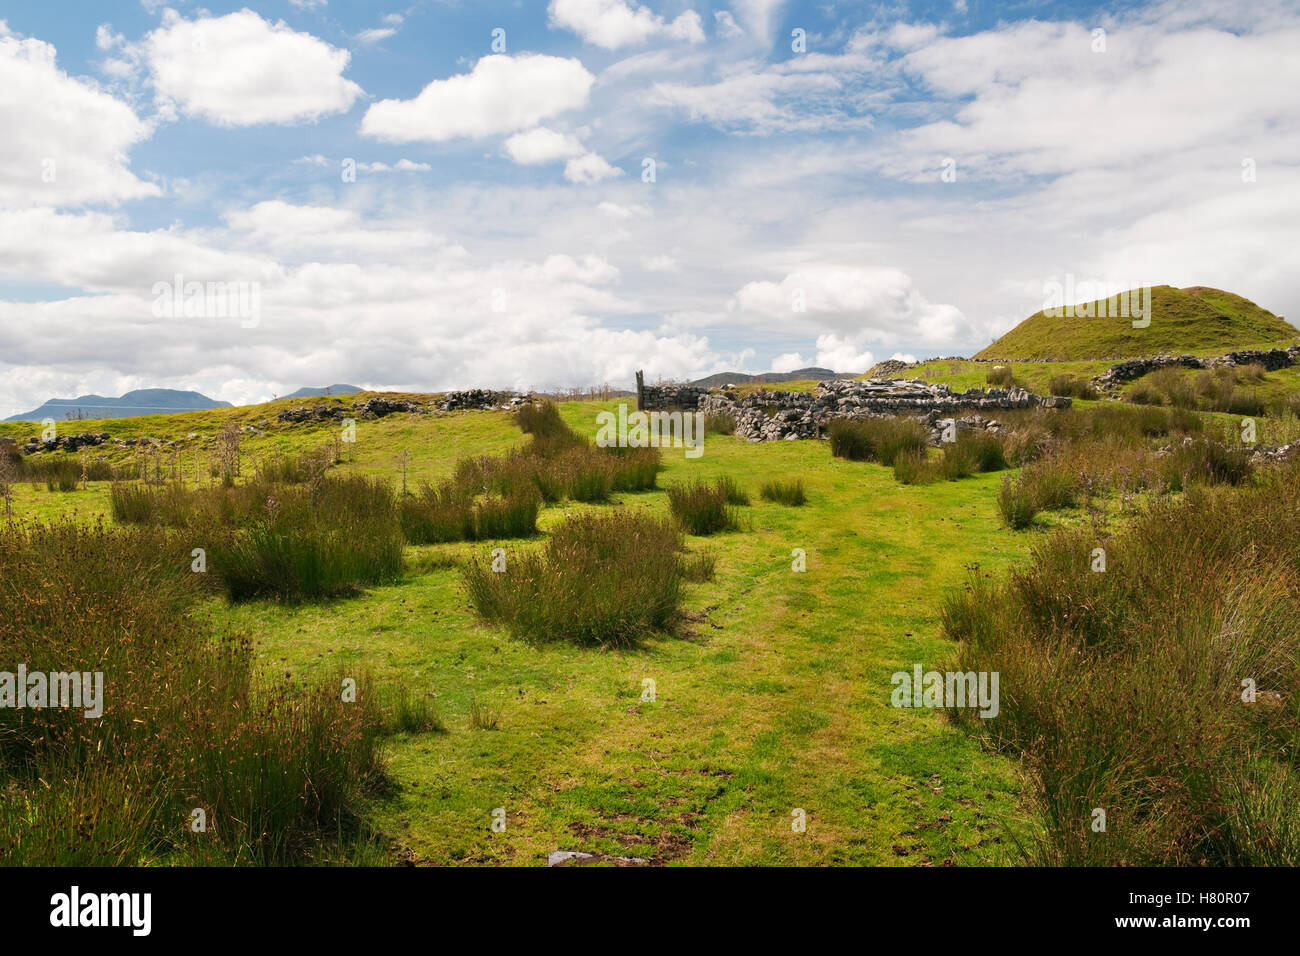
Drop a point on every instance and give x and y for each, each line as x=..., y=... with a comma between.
x=1271, y=359
x=666, y=397
x=779, y=416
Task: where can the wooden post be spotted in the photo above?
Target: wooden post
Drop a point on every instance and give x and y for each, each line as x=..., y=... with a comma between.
x=640, y=390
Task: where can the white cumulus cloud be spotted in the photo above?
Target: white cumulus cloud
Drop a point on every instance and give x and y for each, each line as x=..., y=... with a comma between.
x=612, y=24
x=852, y=305
x=501, y=94
x=241, y=70
x=589, y=168
x=65, y=140
x=542, y=145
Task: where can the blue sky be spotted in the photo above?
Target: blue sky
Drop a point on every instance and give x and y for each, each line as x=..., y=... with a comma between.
x=833, y=184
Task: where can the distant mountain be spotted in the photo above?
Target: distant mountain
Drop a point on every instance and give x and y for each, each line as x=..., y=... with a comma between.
x=309, y=392
x=142, y=401
x=767, y=378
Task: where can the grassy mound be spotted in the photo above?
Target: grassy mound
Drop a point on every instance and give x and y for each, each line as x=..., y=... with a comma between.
x=1195, y=320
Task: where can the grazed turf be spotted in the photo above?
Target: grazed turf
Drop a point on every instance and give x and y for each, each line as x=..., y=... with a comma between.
x=775, y=698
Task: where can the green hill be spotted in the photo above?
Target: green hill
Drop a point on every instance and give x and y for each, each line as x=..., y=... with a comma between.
x=1196, y=320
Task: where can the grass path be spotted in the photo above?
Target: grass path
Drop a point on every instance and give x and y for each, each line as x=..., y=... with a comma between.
x=776, y=698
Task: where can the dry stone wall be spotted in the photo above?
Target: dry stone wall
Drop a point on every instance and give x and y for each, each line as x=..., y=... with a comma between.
x=665, y=397
x=1271, y=359
x=780, y=416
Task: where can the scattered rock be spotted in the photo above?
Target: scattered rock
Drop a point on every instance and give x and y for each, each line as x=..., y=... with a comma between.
x=481, y=398
x=379, y=407
x=317, y=413
x=889, y=368
x=1267, y=453
x=66, y=442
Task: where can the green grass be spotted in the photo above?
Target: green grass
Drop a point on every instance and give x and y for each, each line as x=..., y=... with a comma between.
x=963, y=374
x=772, y=695
x=1197, y=320
x=607, y=579
x=184, y=723
x=789, y=493
x=800, y=385
x=706, y=507
x=1240, y=391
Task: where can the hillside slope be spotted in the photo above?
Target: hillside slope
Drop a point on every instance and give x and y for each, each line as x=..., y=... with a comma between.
x=1195, y=320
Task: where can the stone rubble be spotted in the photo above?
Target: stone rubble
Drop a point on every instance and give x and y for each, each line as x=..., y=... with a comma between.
x=317, y=413
x=890, y=368
x=1265, y=453
x=561, y=857
x=481, y=398
x=379, y=407
x=1259, y=454
x=371, y=408
x=66, y=442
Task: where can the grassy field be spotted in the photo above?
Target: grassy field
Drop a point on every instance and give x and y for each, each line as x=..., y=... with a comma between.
x=776, y=698
x=962, y=374
x=758, y=731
